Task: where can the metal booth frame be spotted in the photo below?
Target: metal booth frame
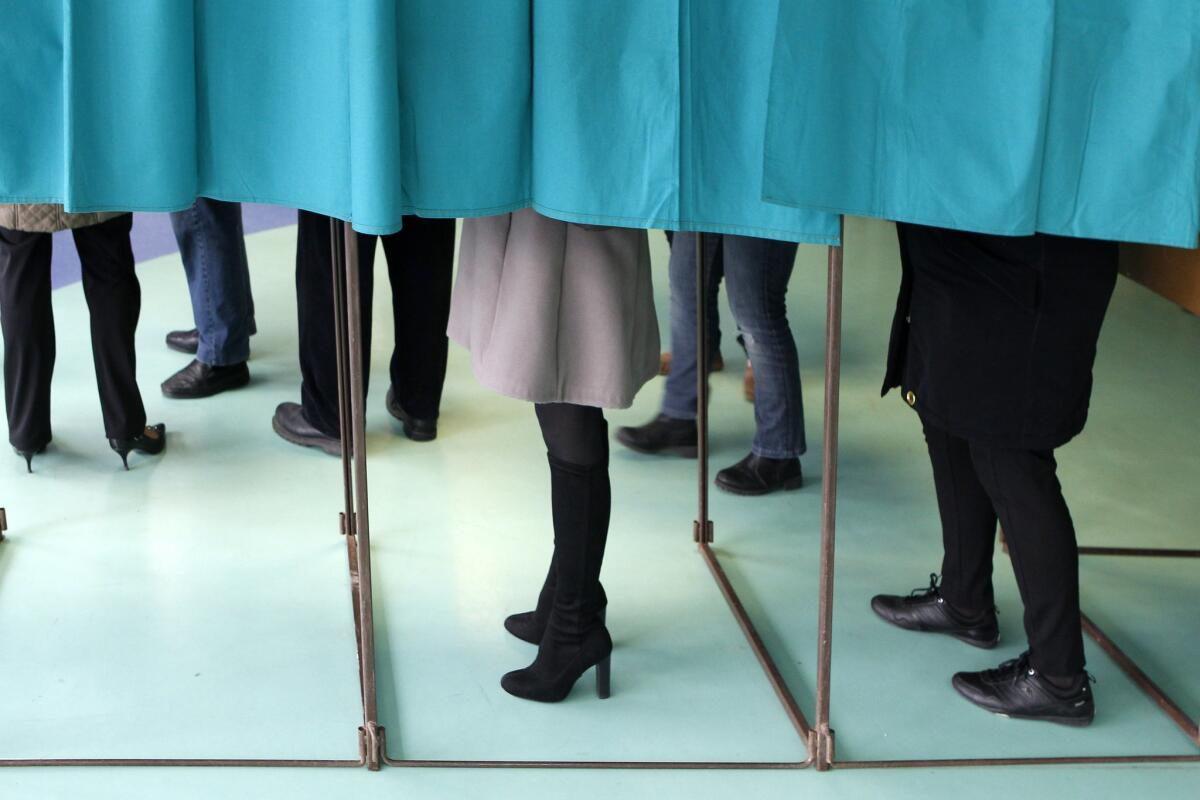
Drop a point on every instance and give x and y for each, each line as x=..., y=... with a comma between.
x=818, y=739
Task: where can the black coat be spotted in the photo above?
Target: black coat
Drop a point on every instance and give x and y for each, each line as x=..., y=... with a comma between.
x=994, y=337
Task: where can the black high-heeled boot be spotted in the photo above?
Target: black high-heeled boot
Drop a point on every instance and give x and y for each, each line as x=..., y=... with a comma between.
x=144, y=443
x=530, y=626
x=575, y=639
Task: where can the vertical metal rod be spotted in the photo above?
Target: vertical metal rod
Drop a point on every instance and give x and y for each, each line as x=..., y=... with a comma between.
x=358, y=449
x=3, y=523
x=340, y=335
x=702, y=528
x=833, y=376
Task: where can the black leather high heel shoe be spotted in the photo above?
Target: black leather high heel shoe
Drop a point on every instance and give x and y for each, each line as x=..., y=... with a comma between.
x=28, y=456
x=145, y=443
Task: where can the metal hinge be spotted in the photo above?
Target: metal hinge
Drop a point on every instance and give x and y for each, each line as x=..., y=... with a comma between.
x=707, y=538
x=3, y=524
x=370, y=745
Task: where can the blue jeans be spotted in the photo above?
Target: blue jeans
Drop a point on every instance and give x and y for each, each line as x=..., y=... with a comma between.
x=757, y=272
x=218, y=275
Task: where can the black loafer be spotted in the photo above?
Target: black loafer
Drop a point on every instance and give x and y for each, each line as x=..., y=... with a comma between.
x=663, y=435
x=926, y=610
x=1017, y=690
x=198, y=380
x=755, y=475
x=184, y=341
x=290, y=423
x=415, y=428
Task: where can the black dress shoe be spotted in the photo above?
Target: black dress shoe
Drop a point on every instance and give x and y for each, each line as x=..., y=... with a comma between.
x=662, y=435
x=926, y=610
x=198, y=380
x=184, y=341
x=755, y=475
x=1017, y=690
x=415, y=428
x=290, y=423
x=152, y=441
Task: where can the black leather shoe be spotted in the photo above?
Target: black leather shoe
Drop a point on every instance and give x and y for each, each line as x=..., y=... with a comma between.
x=152, y=441
x=663, y=435
x=755, y=475
x=419, y=430
x=926, y=610
x=290, y=423
x=1017, y=690
x=198, y=380
x=184, y=341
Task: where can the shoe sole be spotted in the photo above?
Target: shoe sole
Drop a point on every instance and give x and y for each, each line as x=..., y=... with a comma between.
x=232, y=385
x=790, y=485
x=288, y=436
x=191, y=351
x=682, y=451
x=990, y=645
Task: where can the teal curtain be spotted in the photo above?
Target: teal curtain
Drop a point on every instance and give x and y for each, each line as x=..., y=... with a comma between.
x=1071, y=117
x=642, y=113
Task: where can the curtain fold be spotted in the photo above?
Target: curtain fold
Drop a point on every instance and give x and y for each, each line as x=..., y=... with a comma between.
x=644, y=113
x=1071, y=117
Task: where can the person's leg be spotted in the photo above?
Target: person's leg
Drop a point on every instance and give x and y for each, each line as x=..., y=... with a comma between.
x=1024, y=488
x=962, y=606
x=114, y=299
x=27, y=319
x=757, y=275
x=213, y=248
x=575, y=639
x=421, y=265
x=314, y=305
x=968, y=525
x=679, y=399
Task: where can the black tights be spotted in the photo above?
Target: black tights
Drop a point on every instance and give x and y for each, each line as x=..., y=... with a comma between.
x=575, y=434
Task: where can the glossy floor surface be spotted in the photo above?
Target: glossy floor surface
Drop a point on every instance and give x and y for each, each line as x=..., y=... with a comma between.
x=198, y=605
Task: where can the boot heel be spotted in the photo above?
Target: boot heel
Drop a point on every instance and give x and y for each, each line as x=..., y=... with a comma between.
x=604, y=678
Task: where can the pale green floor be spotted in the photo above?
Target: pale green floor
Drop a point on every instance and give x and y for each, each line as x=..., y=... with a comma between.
x=198, y=605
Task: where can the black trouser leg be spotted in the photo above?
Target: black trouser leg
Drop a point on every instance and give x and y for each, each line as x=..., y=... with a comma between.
x=314, y=307
x=1026, y=494
x=968, y=524
x=114, y=299
x=27, y=319
x=420, y=265
x=581, y=497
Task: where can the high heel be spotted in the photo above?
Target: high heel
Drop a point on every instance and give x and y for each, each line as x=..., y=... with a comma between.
x=28, y=456
x=143, y=443
x=604, y=678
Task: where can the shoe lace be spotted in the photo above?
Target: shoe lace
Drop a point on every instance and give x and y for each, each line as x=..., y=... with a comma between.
x=931, y=589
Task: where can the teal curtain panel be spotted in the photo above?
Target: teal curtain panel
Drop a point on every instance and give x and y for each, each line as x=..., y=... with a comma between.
x=1071, y=117
x=639, y=113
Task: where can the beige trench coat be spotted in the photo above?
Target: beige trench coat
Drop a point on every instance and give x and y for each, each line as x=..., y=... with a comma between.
x=48, y=218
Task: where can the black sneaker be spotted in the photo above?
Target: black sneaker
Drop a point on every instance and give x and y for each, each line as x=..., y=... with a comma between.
x=664, y=435
x=198, y=380
x=926, y=610
x=1017, y=690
